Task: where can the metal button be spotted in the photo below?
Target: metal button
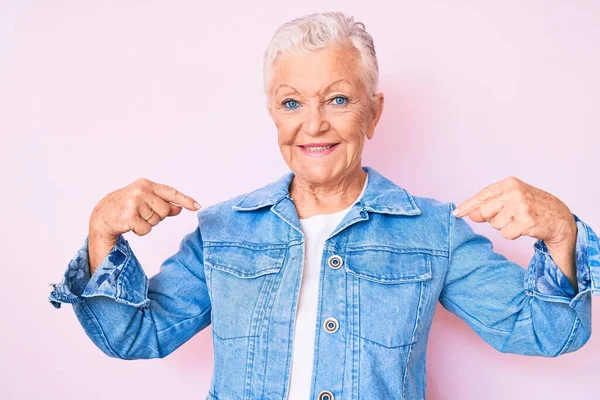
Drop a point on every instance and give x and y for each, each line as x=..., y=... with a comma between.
x=331, y=325
x=326, y=395
x=335, y=261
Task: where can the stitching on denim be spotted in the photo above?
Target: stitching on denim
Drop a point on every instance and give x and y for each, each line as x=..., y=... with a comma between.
x=531, y=271
x=291, y=329
x=244, y=198
x=263, y=304
x=422, y=288
x=202, y=314
x=287, y=220
x=355, y=325
x=383, y=279
x=590, y=239
x=265, y=299
x=243, y=275
x=571, y=337
x=348, y=327
x=348, y=223
x=269, y=324
x=551, y=297
x=393, y=249
x=124, y=270
x=356, y=315
x=382, y=345
x=249, y=245
x=208, y=280
x=230, y=338
x=275, y=260
x=266, y=362
x=249, y=365
x=268, y=202
x=319, y=316
x=267, y=341
x=450, y=216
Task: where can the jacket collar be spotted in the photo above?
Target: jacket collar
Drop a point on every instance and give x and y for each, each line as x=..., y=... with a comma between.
x=381, y=195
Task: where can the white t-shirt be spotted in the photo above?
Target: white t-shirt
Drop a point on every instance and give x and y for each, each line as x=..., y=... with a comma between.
x=316, y=230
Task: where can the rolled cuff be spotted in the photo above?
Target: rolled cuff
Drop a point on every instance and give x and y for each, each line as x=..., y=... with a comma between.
x=545, y=280
x=119, y=276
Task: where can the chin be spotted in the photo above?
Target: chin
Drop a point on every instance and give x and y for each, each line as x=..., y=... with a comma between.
x=316, y=173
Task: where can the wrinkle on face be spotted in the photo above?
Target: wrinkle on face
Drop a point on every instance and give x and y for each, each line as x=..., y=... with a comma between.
x=311, y=82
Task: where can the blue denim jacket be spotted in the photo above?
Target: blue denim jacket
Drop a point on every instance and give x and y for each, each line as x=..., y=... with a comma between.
x=384, y=267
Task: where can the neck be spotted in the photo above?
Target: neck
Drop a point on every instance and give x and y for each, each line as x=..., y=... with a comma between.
x=312, y=198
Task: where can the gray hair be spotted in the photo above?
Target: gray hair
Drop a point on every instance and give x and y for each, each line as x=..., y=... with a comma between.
x=313, y=32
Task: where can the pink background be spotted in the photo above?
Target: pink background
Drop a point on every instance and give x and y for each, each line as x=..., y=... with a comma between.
x=93, y=96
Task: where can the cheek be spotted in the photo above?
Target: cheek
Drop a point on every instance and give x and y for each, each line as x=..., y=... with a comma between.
x=350, y=126
x=286, y=131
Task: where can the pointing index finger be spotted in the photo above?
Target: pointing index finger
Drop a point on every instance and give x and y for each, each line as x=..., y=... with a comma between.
x=171, y=194
x=474, y=202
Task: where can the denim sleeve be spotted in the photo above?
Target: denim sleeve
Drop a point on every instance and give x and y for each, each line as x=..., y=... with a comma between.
x=129, y=316
x=532, y=311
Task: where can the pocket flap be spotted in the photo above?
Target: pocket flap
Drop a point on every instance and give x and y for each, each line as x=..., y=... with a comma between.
x=244, y=262
x=386, y=266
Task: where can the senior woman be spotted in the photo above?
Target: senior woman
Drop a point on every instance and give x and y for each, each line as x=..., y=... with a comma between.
x=323, y=284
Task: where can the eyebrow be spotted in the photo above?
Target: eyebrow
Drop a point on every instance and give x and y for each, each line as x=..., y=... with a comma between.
x=326, y=88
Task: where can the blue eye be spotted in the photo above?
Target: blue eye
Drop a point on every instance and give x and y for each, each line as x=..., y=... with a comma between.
x=292, y=104
x=340, y=100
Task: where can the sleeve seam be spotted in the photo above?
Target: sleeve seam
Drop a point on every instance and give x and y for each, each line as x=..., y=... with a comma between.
x=450, y=234
x=119, y=283
x=571, y=335
x=202, y=314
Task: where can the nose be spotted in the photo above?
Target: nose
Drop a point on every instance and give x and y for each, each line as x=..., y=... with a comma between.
x=316, y=122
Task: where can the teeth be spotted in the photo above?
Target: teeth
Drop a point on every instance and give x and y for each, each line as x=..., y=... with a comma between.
x=319, y=148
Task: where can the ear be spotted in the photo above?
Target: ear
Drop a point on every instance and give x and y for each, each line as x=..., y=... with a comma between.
x=378, y=100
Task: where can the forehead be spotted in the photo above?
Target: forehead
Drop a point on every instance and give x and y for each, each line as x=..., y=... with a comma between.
x=311, y=73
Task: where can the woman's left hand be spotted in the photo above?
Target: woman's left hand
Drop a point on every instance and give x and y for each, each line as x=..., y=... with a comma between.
x=516, y=209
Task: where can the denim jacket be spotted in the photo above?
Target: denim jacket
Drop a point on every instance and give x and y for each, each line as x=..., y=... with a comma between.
x=384, y=268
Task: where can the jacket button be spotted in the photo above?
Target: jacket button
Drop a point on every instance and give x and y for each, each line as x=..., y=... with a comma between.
x=335, y=261
x=326, y=395
x=331, y=325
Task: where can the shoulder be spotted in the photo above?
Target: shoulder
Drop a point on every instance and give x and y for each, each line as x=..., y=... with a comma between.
x=435, y=211
x=434, y=216
x=230, y=211
x=263, y=196
x=221, y=210
x=433, y=206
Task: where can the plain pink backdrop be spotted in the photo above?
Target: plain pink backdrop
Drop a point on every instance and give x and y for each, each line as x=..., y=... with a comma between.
x=93, y=96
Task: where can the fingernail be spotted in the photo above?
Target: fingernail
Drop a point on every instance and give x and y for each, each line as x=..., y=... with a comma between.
x=455, y=212
x=196, y=205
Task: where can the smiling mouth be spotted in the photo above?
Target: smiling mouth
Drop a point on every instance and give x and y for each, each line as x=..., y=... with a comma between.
x=319, y=148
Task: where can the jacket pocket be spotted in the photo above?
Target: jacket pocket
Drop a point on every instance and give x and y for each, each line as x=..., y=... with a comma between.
x=241, y=279
x=391, y=291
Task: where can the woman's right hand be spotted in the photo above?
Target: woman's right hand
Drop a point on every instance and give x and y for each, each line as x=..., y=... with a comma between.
x=136, y=207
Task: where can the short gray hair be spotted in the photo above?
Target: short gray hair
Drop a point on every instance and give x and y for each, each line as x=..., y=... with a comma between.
x=313, y=32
